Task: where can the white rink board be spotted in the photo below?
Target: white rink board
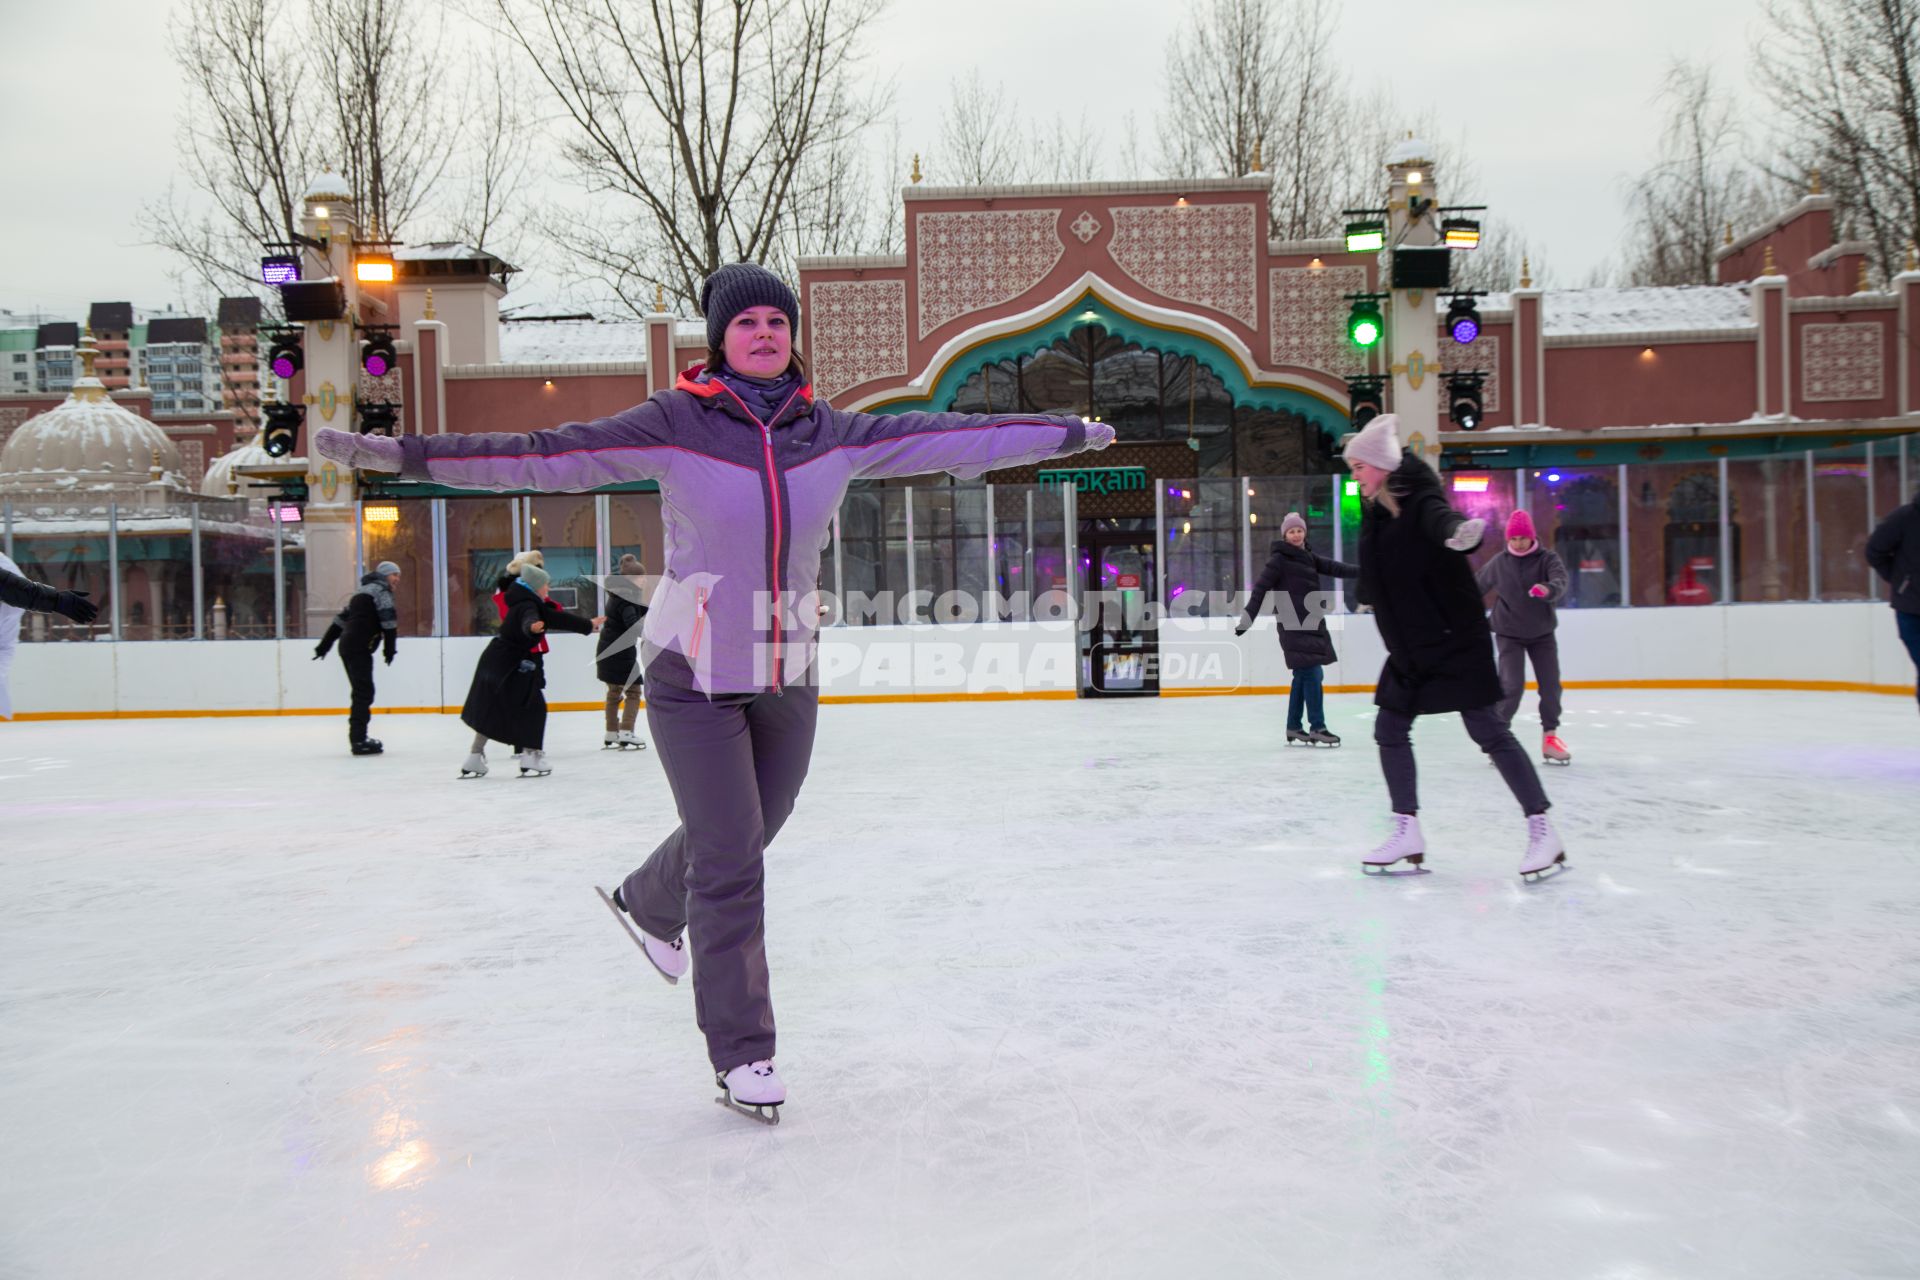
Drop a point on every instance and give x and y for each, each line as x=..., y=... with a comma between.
x=1846, y=643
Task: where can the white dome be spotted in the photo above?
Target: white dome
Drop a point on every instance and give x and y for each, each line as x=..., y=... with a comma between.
x=220, y=470
x=89, y=442
x=328, y=186
x=1412, y=151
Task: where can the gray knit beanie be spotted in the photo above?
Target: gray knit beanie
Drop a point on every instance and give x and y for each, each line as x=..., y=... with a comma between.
x=534, y=576
x=737, y=286
x=386, y=568
x=630, y=566
x=1292, y=521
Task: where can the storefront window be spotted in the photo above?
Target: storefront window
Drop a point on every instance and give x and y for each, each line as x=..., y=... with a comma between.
x=1576, y=513
x=401, y=530
x=1768, y=540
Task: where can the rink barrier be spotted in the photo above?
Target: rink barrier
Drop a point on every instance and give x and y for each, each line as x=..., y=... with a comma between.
x=1038, y=695
x=1753, y=648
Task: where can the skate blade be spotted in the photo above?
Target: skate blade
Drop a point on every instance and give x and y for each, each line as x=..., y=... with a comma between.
x=1550, y=760
x=767, y=1113
x=638, y=941
x=1394, y=869
x=468, y=773
x=536, y=773
x=1559, y=866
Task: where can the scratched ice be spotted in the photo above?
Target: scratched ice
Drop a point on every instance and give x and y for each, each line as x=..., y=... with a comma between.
x=1064, y=989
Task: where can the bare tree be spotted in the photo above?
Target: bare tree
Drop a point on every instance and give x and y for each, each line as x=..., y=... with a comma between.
x=242, y=148
x=391, y=122
x=1505, y=255
x=1256, y=78
x=1845, y=75
x=982, y=142
x=498, y=161
x=1698, y=185
x=700, y=121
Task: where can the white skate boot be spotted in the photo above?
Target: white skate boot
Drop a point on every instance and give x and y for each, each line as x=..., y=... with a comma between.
x=1554, y=751
x=1405, y=844
x=754, y=1090
x=630, y=741
x=474, y=766
x=670, y=958
x=609, y=740
x=534, y=764
x=1545, y=854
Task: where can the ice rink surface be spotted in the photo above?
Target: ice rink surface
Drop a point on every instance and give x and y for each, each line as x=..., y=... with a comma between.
x=1064, y=989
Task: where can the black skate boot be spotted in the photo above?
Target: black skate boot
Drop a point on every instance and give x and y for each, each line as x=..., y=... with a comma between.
x=1297, y=737
x=1324, y=738
x=368, y=747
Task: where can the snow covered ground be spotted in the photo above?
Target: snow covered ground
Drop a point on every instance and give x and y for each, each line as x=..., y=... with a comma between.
x=1064, y=990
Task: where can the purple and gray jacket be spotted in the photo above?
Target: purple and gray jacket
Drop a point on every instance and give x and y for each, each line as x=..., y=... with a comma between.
x=746, y=505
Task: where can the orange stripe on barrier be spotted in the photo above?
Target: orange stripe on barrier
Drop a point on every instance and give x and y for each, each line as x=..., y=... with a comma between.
x=1044, y=695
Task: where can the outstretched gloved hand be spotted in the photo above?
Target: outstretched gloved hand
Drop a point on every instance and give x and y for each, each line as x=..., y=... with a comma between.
x=1099, y=434
x=362, y=453
x=75, y=605
x=1467, y=536
x=1538, y=591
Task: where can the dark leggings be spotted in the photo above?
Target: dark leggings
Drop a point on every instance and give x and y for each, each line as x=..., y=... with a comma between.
x=1393, y=733
x=1909, y=624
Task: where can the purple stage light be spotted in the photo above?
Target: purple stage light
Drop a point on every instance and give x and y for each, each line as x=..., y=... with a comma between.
x=376, y=365
x=1465, y=329
x=280, y=268
x=284, y=366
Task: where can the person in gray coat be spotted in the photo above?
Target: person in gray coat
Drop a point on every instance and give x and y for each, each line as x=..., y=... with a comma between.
x=1528, y=583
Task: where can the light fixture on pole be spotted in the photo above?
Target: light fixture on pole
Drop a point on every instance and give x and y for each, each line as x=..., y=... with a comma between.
x=1365, y=323
x=1463, y=319
x=280, y=432
x=1466, y=399
x=1366, y=398
x=377, y=353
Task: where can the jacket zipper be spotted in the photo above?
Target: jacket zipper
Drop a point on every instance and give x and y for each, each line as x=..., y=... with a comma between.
x=699, y=620
x=773, y=494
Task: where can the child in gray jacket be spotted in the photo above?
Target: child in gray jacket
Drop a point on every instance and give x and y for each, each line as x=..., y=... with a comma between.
x=1527, y=582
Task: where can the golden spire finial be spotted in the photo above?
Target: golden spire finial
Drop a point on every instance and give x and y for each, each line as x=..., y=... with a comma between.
x=1866, y=284
x=1913, y=257
x=88, y=354
x=915, y=175
x=659, y=297
x=1767, y=267
x=155, y=474
x=1813, y=182
x=1729, y=233
x=1526, y=272
x=429, y=314
x=1257, y=166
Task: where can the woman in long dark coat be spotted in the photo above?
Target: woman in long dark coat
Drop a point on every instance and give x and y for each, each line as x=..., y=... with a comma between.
x=617, y=656
x=1415, y=575
x=1304, y=639
x=506, y=701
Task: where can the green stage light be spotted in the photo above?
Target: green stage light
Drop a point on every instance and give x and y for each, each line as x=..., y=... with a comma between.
x=1364, y=323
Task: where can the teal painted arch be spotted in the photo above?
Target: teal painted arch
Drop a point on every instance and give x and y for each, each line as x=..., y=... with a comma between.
x=1090, y=309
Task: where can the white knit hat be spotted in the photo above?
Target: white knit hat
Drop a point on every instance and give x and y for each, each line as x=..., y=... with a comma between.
x=1377, y=444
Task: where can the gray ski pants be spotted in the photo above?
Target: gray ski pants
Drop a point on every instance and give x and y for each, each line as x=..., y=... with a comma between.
x=735, y=763
x=1544, y=653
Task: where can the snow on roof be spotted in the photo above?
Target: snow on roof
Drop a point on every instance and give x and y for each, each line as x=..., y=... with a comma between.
x=1600, y=311
x=452, y=250
x=572, y=341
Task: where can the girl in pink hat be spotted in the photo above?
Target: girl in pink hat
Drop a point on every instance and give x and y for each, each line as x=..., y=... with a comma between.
x=1528, y=582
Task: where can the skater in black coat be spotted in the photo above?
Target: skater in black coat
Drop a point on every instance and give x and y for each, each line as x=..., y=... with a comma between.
x=1894, y=553
x=1415, y=575
x=1302, y=626
x=507, y=702
x=369, y=621
x=617, y=656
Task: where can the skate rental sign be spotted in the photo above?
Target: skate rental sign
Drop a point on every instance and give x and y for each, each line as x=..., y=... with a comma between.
x=1096, y=479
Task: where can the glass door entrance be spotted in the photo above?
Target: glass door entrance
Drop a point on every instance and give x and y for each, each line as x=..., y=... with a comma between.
x=1120, y=650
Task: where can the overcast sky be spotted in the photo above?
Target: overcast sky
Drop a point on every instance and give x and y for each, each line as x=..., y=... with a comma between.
x=1554, y=104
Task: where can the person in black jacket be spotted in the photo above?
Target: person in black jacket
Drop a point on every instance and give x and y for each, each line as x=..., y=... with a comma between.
x=1415, y=575
x=1894, y=553
x=368, y=622
x=505, y=703
x=1296, y=570
x=37, y=597
x=617, y=656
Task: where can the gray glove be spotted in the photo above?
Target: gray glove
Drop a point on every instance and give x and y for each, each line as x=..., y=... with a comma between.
x=362, y=453
x=1467, y=536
